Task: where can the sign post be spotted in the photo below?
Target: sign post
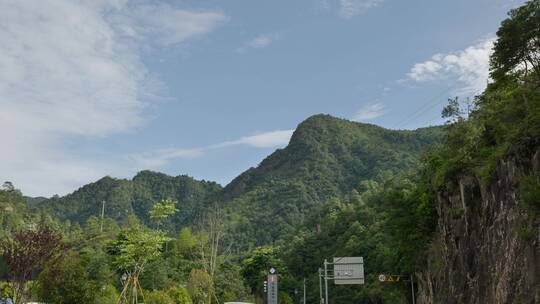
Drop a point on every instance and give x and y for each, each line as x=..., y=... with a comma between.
x=272, y=286
x=389, y=278
x=347, y=271
x=325, y=281
x=320, y=286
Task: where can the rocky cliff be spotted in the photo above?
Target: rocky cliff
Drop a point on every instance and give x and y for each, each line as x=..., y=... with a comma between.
x=487, y=247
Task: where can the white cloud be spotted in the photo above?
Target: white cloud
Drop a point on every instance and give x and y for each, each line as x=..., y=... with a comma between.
x=369, y=112
x=259, y=42
x=159, y=158
x=73, y=68
x=351, y=8
x=165, y=25
x=263, y=140
x=469, y=67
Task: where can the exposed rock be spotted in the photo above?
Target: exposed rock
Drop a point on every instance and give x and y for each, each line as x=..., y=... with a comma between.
x=479, y=255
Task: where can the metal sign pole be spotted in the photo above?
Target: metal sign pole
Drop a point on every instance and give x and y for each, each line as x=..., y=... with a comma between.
x=304, y=291
x=412, y=289
x=321, y=300
x=325, y=281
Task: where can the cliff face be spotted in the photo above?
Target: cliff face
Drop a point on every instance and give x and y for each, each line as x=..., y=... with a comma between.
x=487, y=247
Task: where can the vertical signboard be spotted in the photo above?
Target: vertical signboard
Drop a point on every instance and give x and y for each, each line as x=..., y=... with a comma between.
x=272, y=286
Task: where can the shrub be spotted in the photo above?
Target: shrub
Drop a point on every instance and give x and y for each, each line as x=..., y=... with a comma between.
x=107, y=295
x=179, y=295
x=200, y=287
x=157, y=297
x=529, y=191
x=65, y=282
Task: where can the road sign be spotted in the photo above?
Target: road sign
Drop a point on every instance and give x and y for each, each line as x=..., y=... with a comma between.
x=348, y=270
x=389, y=278
x=272, y=287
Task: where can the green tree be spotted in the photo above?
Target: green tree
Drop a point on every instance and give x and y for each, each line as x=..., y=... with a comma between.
x=65, y=281
x=106, y=295
x=179, y=294
x=185, y=241
x=256, y=266
x=517, y=49
x=6, y=291
x=158, y=297
x=162, y=210
x=200, y=287
x=132, y=251
x=284, y=298
x=27, y=252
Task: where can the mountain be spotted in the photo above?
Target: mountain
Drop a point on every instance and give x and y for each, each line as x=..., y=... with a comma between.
x=124, y=197
x=326, y=157
x=35, y=200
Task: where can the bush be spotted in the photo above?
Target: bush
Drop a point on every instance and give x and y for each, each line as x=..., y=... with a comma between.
x=200, y=287
x=65, y=282
x=179, y=295
x=157, y=297
x=284, y=298
x=529, y=191
x=526, y=232
x=6, y=291
x=107, y=295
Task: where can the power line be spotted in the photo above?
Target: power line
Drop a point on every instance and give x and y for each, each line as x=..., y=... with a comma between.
x=430, y=104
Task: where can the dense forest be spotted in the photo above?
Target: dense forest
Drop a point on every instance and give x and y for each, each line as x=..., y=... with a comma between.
x=339, y=188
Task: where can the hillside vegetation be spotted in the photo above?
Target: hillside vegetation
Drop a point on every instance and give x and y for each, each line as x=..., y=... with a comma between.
x=456, y=207
x=326, y=157
x=136, y=197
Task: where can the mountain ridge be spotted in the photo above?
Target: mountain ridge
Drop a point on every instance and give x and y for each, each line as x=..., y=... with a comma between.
x=326, y=157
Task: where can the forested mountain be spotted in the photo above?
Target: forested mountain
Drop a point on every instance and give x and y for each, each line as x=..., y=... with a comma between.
x=35, y=200
x=453, y=210
x=288, y=192
x=124, y=197
x=326, y=157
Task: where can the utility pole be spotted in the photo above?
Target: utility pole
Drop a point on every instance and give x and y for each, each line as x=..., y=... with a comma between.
x=304, y=291
x=102, y=216
x=321, y=300
x=325, y=281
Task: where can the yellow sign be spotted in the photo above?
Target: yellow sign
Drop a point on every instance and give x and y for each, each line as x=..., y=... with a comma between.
x=388, y=278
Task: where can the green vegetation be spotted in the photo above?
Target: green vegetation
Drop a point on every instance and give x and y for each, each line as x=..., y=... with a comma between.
x=529, y=191
x=504, y=121
x=389, y=223
x=327, y=157
x=137, y=196
x=103, y=262
x=65, y=281
x=338, y=189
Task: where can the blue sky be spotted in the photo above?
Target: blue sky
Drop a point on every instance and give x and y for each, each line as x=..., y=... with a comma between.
x=209, y=88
